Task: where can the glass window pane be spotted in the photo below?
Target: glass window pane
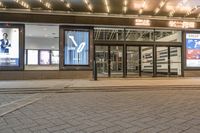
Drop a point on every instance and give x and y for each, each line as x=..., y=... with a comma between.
x=175, y=61
x=168, y=36
x=43, y=38
x=109, y=34
x=76, y=48
x=147, y=61
x=139, y=35
x=32, y=57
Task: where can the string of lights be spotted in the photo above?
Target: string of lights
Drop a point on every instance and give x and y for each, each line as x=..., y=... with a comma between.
x=161, y=5
x=23, y=3
x=125, y=6
x=107, y=6
x=89, y=5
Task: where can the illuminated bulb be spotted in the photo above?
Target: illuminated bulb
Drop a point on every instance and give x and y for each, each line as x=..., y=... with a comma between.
x=67, y=5
x=140, y=11
x=157, y=10
x=106, y=2
x=90, y=7
x=108, y=9
x=162, y=3
x=125, y=9
x=125, y=2
x=144, y=4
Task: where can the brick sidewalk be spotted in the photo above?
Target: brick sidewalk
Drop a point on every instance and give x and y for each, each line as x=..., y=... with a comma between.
x=108, y=112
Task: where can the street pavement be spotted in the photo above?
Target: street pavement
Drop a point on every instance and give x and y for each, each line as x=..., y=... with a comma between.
x=142, y=111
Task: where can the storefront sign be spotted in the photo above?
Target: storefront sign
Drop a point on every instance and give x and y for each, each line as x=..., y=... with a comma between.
x=193, y=49
x=181, y=24
x=9, y=47
x=142, y=22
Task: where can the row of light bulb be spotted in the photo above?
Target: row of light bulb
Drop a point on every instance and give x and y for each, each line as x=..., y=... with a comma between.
x=23, y=3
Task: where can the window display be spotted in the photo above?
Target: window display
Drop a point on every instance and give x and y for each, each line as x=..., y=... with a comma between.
x=9, y=47
x=76, y=48
x=192, y=50
x=45, y=57
x=32, y=58
x=55, y=57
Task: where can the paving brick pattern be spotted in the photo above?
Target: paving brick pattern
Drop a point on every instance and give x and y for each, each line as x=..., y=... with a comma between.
x=8, y=98
x=108, y=112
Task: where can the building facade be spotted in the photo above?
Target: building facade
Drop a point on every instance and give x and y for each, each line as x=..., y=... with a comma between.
x=52, y=46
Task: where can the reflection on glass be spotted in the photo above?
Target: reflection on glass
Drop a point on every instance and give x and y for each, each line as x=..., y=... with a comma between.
x=147, y=61
x=76, y=48
x=162, y=61
x=168, y=36
x=139, y=35
x=55, y=57
x=44, y=57
x=102, y=60
x=109, y=34
x=132, y=61
x=175, y=61
x=32, y=57
x=116, y=64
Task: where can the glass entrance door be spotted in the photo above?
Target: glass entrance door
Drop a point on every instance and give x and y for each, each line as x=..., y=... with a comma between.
x=147, y=61
x=116, y=61
x=102, y=61
x=133, y=67
x=162, y=61
x=175, y=61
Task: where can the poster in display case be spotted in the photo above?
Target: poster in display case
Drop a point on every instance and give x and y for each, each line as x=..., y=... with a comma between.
x=9, y=47
x=76, y=48
x=55, y=57
x=44, y=57
x=193, y=50
x=32, y=57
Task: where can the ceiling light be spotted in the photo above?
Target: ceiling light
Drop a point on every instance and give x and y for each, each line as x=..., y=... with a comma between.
x=107, y=6
x=125, y=6
x=1, y=4
x=46, y=4
x=23, y=3
x=68, y=5
x=89, y=5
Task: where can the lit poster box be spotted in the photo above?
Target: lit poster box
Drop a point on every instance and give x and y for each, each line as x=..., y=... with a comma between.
x=76, y=48
x=192, y=49
x=44, y=57
x=32, y=57
x=9, y=47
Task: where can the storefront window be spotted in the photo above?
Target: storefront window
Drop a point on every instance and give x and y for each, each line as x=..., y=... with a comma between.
x=109, y=34
x=168, y=36
x=76, y=48
x=139, y=35
x=42, y=47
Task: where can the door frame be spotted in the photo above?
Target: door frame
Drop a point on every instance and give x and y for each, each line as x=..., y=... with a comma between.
x=109, y=57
